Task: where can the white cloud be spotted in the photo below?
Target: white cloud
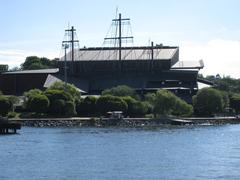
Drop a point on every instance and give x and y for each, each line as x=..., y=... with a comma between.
x=219, y=56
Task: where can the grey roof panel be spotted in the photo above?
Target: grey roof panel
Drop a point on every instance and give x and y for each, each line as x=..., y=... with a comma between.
x=38, y=71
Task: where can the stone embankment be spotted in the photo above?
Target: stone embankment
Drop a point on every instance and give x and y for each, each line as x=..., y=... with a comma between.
x=125, y=122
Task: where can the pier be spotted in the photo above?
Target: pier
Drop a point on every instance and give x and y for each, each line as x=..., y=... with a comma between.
x=9, y=127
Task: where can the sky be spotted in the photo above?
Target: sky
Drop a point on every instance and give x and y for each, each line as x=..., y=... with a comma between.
x=206, y=29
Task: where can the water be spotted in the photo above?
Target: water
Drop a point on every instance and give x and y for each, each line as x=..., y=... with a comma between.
x=203, y=152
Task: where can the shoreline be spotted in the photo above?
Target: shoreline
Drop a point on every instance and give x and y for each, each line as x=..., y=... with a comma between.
x=124, y=122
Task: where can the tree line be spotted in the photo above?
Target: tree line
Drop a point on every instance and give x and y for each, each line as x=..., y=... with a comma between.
x=66, y=101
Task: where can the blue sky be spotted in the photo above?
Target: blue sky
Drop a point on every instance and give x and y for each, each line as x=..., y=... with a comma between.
x=206, y=29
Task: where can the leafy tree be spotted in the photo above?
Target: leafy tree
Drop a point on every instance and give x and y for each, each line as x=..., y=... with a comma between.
x=29, y=95
x=69, y=109
x=207, y=102
x=39, y=103
x=111, y=103
x=164, y=102
x=5, y=106
x=182, y=108
x=34, y=62
x=121, y=91
x=235, y=102
x=135, y=108
x=87, y=106
x=70, y=89
x=57, y=107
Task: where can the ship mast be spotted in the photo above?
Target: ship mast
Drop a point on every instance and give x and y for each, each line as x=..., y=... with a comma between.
x=72, y=41
x=119, y=23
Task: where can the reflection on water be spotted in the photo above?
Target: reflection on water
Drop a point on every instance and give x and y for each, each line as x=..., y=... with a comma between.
x=202, y=152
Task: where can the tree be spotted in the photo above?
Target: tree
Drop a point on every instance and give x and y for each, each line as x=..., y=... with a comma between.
x=111, y=103
x=207, y=102
x=121, y=91
x=70, y=109
x=39, y=103
x=87, y=106
x=70, y=89
x=235, y=102
x=29, y=95
x=164, y=102
x=135, y=108
x=182, y=108
x=5, y=106
x=34, y=62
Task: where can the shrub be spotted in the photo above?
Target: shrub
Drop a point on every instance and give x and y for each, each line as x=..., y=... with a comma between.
x=57, y=107
x=135, y=108
x=182, y=108
x=235, y=102
x=5, y=106
x=69, y=108
x=111, y=103
x=87, y=106
x=164, y=102
x=207, y=102
x=121, y=91
x=39, y=103
x=70, y=89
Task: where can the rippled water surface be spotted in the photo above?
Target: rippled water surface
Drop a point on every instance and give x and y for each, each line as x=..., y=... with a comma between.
x=203, y=152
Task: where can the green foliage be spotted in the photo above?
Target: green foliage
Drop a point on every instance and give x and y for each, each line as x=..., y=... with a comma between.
x=39, y=103
x=12, y=115
x=135, y=108
x=207, y=102
x=111, y=103
x=164, y=102
x=34, y=62
x=121, y=91
x=182, y=108
x=3, y=68
x=29, y=95
x=69, y=109
x=227, y=84
x=5, y=106
x=69, y=89
x=54, y=94
x=57, y=107
x=87, y=106
x=235, y=102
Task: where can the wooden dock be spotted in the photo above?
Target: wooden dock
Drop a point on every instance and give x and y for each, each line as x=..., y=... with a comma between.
x=9, y=127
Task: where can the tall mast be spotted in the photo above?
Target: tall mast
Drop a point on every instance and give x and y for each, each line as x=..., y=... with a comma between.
x=71, y=41
x=119, y=23
x=120, y=36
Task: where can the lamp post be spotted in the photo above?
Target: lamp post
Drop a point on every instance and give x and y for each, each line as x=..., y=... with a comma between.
x=65, y=46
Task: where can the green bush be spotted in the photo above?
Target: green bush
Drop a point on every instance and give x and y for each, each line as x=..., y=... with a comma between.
x=69, y=109
x=182, y=108
x=111, y=103
x=69, y=89
x=57, y=107
x=121, y=91
x=5, y=106
x=28, y=97
x=164, y=102
x=135, y=108
x=235, y=102
x=87, y=106
x=39, y=103
x=207, y=102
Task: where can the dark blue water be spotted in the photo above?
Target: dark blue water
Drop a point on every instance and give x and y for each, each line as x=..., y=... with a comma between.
x=204, y=152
